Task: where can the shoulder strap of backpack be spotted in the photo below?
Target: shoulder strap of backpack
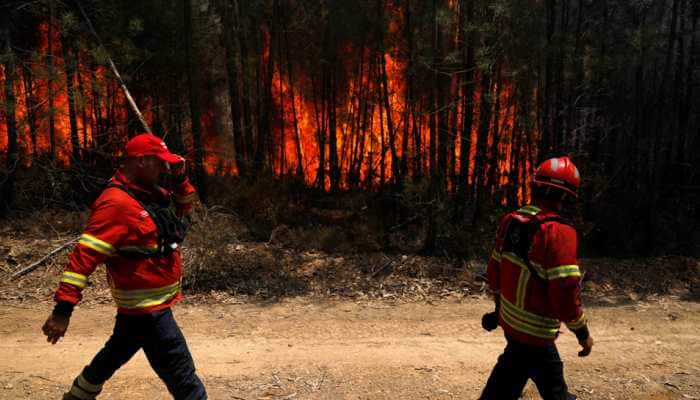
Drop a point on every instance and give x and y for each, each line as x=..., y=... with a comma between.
x=145, y=206
x=529, y=228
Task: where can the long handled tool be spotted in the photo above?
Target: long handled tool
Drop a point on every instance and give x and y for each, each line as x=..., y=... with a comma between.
x=132, y=103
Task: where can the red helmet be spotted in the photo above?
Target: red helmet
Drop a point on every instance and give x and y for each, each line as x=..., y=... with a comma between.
x=560, y=173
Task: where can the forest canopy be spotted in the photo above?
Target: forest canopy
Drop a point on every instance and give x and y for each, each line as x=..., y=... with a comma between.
x=457, y=99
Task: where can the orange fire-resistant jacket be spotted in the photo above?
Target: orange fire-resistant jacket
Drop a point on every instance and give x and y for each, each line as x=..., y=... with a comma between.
x=118, y=222
x=533, y=305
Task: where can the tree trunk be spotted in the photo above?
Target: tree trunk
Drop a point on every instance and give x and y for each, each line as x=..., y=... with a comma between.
x=443, y=89
x=467, y=95
x=320, y=113
x=297, y=135
x=98, y=128
x=370, y=157
x=69, y=64
x=247, y=100
x=678, y=95
x=574, y=92
x=49, y=62
x=382, y=153
x=357, y=135
x=432, y=148
x=329, y=71
x=600, y=80
x=389, y=123
x=546, y=100
x=491, y=180
x=485, y=105
x=332, y=126
x=82, y=104
x=408, y=91
x=12, y=161
x=264, y=112
x=365, y=123
x=417, y=147
x=32, y=104
x=687, y=137
x=194, y=103
x=560, y=145
x=513, y=181
x=385, y=95
x=226, y=9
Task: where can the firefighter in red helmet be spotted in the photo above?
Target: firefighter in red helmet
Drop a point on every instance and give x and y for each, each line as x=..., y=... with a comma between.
x=535, y=279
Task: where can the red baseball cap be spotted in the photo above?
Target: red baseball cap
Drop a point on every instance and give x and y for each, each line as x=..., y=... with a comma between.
x=146, y=144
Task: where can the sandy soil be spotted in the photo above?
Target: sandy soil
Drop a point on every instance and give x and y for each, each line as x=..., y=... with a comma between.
x=304, y=348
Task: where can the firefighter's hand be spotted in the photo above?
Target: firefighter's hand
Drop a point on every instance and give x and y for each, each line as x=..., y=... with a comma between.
x=489, y=321
x=55, y=327
x=587, y=346
x=179, y=169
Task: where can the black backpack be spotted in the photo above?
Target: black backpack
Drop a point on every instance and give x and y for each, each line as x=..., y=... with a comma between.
x=519, y=236
x=171, y=229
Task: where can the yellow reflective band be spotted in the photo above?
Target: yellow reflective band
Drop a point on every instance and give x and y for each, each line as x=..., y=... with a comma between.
x=96, y=244
x=529, y=209
x=146, y=302
x=532, y=318
x=522, y=288
x=512, y=257
x=563, y=271
x=143, y=250
x=143, y=293
x=137, y=298
x=496, y=256
x=84, y=390
x=186, y=199
x=81, y=394
x=145, y=298
x=522, y=326
x=74, y=279
x=90, y=387
x=579, y=323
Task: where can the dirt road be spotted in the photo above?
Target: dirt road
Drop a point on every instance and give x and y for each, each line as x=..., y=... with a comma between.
x=310, y=349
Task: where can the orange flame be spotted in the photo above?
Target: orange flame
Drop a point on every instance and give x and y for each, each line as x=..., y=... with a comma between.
x=362, y=128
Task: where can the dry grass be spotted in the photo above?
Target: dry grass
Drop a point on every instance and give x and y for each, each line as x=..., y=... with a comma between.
x=220, y=256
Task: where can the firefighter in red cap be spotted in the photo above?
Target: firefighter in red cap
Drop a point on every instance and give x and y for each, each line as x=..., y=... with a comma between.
x=535, y=279
x=133, y=230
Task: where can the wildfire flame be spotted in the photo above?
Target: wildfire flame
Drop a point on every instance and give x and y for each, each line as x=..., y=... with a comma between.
x=362, y=127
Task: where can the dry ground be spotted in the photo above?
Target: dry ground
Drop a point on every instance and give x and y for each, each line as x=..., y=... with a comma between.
x=272, y=321
x=303, y=348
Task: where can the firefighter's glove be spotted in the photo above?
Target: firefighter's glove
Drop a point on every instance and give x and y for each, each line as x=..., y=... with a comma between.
x=489, y=321
x=586, y=346
x=179, y=171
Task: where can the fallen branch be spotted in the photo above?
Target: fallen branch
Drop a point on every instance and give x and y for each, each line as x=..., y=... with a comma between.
x=36, y=264
x=382, y=269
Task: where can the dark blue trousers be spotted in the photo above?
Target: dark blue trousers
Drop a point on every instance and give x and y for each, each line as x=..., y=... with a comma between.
x=165, y=347
x=520, y=362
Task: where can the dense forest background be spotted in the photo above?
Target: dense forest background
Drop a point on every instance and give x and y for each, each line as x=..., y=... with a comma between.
x=421, y=118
